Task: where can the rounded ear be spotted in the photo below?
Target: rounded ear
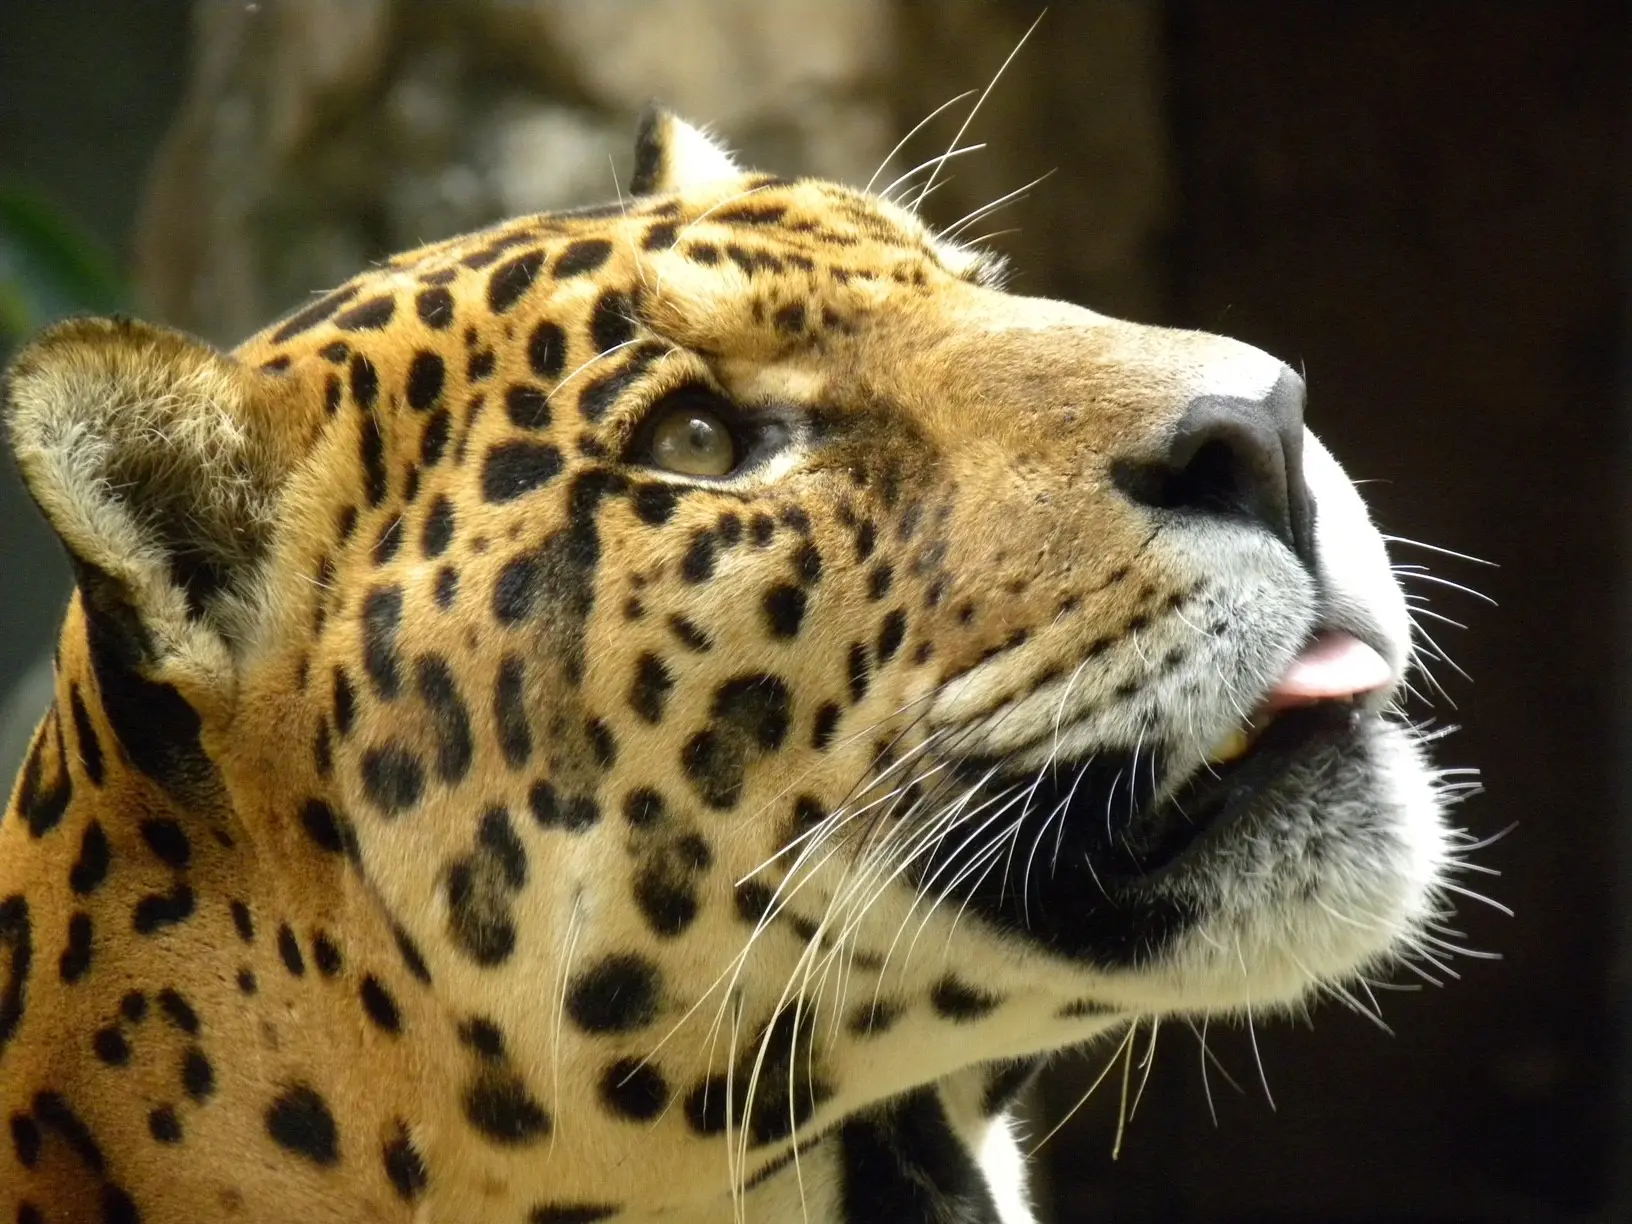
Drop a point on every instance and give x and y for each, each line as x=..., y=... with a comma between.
x=159, y=462
x=671, y=155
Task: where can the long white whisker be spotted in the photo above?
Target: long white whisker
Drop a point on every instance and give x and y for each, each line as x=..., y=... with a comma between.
x=1146, y=1064
x=1116, y=1054
x=713, y=208
x=1252, y=1028
x=979, y=102
x=1448, y=552
x=932, y=162
x=1424, y=576
x=1476, y=896
x=986, y=210
x=916, y=128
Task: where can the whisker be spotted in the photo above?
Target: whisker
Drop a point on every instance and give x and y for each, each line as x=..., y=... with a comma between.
x=713, y=208
x=932, y=162
x=1424, y=576
x=986, y=210
x=1485, y=842
x=561, y=1004
x=1418, y=610
x=1252, y=1028
x=969, y=244
x=1133, y=1028
x=1206, y=1088
x=1476, y=896
x=916, y=128
x=1122, y=1105
x=1460, y=556
x=607, y=352
x=1146, y=1064
x=979, y=102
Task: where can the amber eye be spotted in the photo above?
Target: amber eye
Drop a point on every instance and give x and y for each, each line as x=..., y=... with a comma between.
x=693, y=442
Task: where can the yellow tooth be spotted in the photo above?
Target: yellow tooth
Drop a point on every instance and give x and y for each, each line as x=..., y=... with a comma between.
x=1232, y=746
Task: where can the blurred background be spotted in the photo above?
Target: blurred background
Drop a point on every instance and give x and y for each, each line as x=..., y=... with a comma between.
x=1424, y=206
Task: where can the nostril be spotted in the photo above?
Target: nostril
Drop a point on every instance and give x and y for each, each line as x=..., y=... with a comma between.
x=1236, y=458
x=1226, y=468
x=1221, y=477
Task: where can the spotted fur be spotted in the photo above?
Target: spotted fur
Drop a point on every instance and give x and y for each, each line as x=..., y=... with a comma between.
x=447, y=814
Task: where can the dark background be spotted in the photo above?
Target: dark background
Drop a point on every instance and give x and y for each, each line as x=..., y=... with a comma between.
x=1425, y=206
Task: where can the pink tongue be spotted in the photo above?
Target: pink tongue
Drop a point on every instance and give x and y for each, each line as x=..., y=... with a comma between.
x=1333, y=665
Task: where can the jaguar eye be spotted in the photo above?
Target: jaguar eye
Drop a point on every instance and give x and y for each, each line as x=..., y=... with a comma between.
x=691, y=440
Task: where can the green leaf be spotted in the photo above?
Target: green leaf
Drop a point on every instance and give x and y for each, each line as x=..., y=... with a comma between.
x=48, y=268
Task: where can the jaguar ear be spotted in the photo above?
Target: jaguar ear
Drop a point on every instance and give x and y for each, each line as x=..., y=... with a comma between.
x=159, y=461
x=671, y=155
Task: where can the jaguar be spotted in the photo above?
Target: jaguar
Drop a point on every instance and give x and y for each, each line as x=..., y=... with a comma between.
x=672, y=711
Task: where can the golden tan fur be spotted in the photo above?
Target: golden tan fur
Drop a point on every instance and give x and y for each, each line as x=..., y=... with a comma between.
x=950, y=465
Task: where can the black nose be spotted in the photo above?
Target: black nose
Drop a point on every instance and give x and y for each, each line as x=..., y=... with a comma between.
x=1241, y=458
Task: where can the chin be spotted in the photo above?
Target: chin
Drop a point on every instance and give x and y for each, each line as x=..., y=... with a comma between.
x=1323, y=862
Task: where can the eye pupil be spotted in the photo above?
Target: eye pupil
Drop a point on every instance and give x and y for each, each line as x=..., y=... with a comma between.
x=701, y=433
x=693, y=442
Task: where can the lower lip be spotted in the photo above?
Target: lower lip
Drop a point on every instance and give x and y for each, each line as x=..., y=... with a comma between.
x=1207, y=806
x=1111, y=817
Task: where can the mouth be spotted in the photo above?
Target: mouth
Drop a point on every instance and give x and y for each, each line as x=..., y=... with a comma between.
x=1129, y=818
x=1218, y=795
x=1333, y=667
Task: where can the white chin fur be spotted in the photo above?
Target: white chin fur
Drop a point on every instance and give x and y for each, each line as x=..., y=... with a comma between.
x=1271, y=934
